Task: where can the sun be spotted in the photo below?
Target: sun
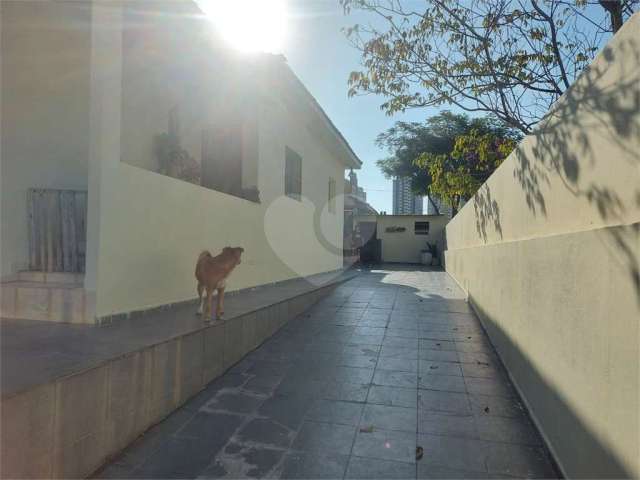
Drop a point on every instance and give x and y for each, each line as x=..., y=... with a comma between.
x=249, y=25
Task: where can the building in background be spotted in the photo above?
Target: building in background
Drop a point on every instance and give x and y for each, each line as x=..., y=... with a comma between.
x=405, y=202
x=437, y=206
x=355, y=204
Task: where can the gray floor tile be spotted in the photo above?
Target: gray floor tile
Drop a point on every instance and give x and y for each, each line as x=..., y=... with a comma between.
x=446, y=383
x=266, y=432
x=214, y=428
x=368, y=350
x=399, y=352
x=357, y=360
x=288, y=411
x=393, y=331
x=429, y=344
x=452, y=425
x=490, y=405
x=453, y=452
x=475, y=357
x=386, y=445
x=489, y=386
x=439, y=355
x=313, y=466
x=263, y=384
x=431, y=367
x=370, y=468
x=349, y=392
x=385, y=417
x=482, y=370
x=179, y=458
x=437, y=472
x=411, y=343
x=508, y=430
x=518, y=461
x=325, y=437
x=398, y=364
x=395, y=379
x=357, y=339
x=352, y=374
x=444, y=402
x=242, y=403
x=331, y=411
x=394, y=396
x=243, y=461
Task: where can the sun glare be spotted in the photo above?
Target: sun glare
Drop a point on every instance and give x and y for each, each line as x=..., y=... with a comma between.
x=249, y=25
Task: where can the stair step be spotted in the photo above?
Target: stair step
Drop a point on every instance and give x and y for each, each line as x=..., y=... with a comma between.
x=47, y=301
x=51, y=277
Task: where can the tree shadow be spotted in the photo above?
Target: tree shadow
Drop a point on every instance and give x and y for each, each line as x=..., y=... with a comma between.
x=596, y=123
x=487, y=212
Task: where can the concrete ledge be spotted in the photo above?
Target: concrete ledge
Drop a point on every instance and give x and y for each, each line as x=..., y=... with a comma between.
x=69, y=426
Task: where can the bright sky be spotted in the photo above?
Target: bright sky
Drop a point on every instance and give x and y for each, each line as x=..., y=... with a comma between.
x=320, y=55
x=308, y=33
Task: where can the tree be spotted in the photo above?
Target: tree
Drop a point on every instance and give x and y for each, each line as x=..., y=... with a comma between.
x=449, y=156
x=460, y=174
x=509, y=58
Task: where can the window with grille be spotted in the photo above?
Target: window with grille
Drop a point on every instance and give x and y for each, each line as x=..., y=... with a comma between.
x=292, y=174
x=421, y=228
x=332, y=196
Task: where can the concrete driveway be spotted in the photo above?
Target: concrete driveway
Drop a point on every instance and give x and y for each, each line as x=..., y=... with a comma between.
x=391, y=376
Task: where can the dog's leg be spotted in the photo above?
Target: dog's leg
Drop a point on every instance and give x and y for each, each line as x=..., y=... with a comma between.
x=220, y=303
x=200, y=297
x=207, y=307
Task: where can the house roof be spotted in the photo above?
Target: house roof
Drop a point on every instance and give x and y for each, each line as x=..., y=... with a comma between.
x=346, y=153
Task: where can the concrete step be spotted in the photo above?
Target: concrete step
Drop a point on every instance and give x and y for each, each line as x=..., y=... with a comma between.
x=57, y=298
x=51, y=277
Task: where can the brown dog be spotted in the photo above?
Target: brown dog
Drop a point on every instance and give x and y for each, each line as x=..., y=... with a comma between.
x=211, y=273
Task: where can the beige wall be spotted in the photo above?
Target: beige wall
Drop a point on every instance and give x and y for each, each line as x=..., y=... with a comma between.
x=405, y=247
x=44, y=112
x=548, y=252
x=152, y=227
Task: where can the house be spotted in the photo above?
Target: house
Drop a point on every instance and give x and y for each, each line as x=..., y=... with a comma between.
x=355, y=204
x=131, y=142
x=399, y=238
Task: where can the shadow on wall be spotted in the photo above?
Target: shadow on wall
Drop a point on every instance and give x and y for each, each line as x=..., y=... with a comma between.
x=562, y=424
x=563, y=145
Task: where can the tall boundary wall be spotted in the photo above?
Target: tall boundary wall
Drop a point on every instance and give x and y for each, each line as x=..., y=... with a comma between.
x=548, y=252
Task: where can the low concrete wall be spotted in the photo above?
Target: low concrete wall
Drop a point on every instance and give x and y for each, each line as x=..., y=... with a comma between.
x=68, y=428
x=548, y=252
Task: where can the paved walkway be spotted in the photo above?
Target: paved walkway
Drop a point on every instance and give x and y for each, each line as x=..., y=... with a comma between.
x=391, y=363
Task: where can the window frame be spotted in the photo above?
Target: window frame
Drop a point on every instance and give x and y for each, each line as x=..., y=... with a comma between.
x=292, y=174
x=331, y=201
x=417, y=231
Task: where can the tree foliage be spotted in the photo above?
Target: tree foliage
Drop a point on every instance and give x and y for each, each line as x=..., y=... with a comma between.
x=459, y=175
x=448, y=156
x=510, y=58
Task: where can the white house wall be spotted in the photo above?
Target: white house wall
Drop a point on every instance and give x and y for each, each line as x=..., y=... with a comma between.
x=152, y=227
x=45, y=110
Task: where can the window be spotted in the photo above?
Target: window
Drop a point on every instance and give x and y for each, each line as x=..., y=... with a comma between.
x=292, y=174
x=421, y=228
x=332, y=196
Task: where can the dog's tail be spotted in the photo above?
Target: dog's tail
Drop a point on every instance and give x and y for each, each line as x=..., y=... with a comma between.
x=204, y=254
